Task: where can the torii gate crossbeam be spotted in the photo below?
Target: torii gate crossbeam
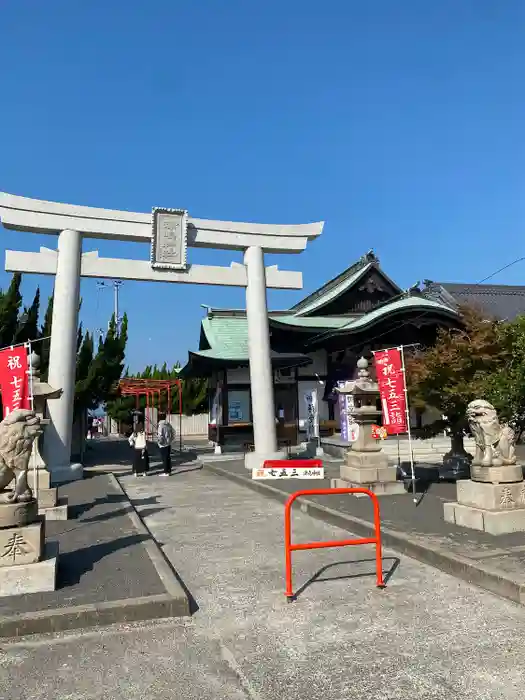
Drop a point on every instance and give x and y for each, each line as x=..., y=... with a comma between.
x=169, y=232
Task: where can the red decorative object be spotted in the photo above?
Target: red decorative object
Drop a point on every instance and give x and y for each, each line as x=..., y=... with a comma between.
x=14, y=380
x=378, y=432
x=153, y=389
x=391, y=381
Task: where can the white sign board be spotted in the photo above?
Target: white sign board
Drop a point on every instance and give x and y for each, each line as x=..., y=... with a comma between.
x=288, y=473
x=235, y=410
x=169, y=239
x=353, y=432
x=312, y=414
x=216, y=407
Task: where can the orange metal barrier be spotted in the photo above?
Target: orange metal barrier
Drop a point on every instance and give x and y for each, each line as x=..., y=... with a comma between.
x=289, y=547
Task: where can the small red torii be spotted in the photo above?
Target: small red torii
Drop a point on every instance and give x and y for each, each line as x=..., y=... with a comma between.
x=152, y=388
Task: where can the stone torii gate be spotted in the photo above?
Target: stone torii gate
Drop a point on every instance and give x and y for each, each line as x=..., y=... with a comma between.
x=169, y=232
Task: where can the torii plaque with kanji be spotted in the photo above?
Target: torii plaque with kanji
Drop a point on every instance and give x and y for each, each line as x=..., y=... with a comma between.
x=169, y=239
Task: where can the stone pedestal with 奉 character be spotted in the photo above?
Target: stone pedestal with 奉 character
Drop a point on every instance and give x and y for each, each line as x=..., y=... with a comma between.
x=493, y=499
x=39, y=477
x=366, y=465
x=27, y=563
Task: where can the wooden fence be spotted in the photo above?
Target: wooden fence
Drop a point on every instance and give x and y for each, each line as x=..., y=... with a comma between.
x=194, y=426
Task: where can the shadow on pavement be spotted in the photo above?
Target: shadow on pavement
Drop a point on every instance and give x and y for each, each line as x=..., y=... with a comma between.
x=73, y=565
x=178, y=470
x=76, y=511
x=316, y=578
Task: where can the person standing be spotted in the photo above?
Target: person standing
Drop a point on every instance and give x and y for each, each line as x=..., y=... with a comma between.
x=165, y=435
x=138, y=441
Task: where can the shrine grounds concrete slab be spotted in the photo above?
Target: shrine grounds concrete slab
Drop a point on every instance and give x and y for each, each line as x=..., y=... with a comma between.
x=427, y=636
x=109, y=568
x=496, y=563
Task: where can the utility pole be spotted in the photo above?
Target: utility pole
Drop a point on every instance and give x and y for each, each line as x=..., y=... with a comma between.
x=116, y=286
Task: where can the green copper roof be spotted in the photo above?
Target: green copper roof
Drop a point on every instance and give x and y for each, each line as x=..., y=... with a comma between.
x=202, y=363
x=316, y=322
x=417, y=303
x=227, y=335
x=279, y=359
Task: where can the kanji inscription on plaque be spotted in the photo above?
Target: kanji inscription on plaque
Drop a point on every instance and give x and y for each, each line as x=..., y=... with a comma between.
x=15, y=547
x=169, y=240
x=506, y=500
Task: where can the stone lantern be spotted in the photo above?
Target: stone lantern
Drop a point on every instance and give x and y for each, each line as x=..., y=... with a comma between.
x=48, y=503
x=366, y=465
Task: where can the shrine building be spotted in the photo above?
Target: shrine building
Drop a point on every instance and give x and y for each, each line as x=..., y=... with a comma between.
x=318, y=341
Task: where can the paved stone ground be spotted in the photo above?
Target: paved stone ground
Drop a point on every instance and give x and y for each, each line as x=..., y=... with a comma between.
x=424, y=522
x=427, y=636
x=101, y=556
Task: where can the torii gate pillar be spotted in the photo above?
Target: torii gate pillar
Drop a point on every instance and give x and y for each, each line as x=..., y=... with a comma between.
x=261, y=376
x=62, y=358
x=169, y=232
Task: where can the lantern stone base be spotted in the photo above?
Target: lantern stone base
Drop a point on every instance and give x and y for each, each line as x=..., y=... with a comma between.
x=47, y=498
x=57, y=512
x=494, y=508
x=38, y=577
x=43, y=478
x=48, y=501
x=379, y=488
x=64, y=474
x=369, y=470
x=254, y=460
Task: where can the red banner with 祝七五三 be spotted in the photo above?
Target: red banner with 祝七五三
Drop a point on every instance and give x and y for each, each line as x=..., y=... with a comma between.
x=391, y=381
x=14, y=384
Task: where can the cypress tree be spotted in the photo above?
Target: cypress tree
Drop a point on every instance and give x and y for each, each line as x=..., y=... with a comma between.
x=83, y=378
x=45, y=332
x=10, y=303
x=28, y=323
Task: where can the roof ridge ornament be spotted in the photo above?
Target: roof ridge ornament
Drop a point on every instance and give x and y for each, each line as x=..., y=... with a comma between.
x=356, y=268
x=370, y=257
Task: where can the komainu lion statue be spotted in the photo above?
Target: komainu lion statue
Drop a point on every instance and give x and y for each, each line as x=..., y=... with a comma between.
x=18, y=431
x=494, y=442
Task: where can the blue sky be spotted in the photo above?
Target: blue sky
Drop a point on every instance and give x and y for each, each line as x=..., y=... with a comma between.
x=400, y=124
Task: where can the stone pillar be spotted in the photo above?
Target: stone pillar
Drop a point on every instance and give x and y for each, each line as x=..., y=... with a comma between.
x=261, y=376
x=62, y=358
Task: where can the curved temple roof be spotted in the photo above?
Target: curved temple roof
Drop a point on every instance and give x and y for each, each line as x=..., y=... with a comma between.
x=218, y=358
x=336, y=287
x=224, y=338
x=343, y=325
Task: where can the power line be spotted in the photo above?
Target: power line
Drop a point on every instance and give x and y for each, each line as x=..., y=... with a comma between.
x=505, y=267
x=422, y=315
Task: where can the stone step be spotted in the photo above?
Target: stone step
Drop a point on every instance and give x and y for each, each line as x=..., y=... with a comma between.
x=422, y=448
x=428, y=441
